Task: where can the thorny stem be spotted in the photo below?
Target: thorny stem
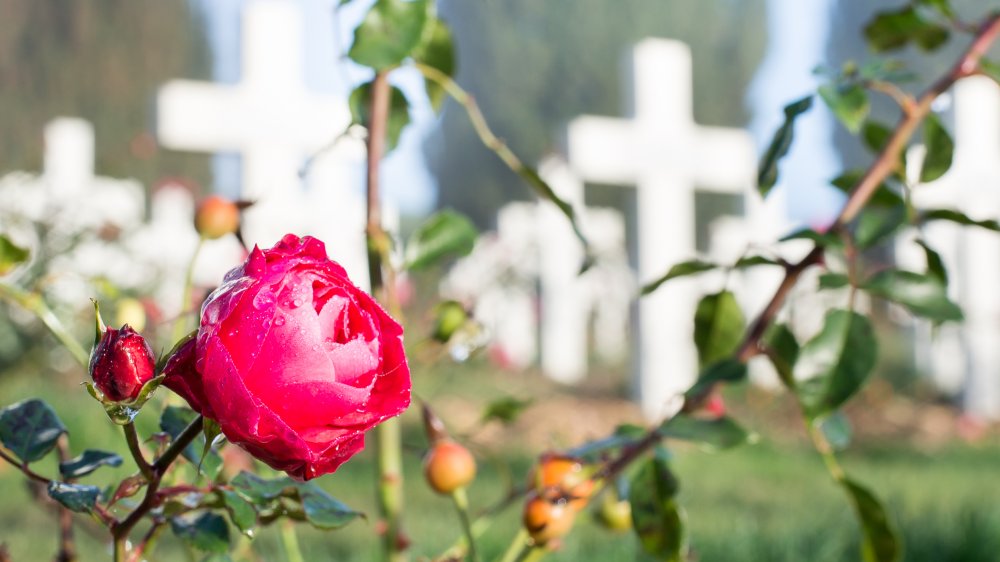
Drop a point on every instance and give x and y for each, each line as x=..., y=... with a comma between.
x=388, y=435
x=120, y=530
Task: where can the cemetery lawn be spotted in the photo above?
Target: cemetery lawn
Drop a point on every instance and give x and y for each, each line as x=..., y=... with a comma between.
x=768, y=502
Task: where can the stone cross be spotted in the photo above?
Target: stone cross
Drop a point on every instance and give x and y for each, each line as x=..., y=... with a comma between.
x=667, y=157
x=967, y=357
x=275, y=123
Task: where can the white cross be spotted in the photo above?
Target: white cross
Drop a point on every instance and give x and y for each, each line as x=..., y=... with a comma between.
x=667, y=156
x=270, y=117
x=968, y=356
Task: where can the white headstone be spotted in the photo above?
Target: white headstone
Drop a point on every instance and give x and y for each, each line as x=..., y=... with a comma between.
x=273, y=120
x=972, y=255
x=667, y=157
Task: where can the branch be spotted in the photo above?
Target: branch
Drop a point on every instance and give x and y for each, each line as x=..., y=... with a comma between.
x=389, y=464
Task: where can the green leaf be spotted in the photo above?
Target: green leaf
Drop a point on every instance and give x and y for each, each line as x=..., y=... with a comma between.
x=825, y=239
x=656, y=517
x=958, y=217
x=935, y=265
x=30, y=429
x=322, y=510
x=875, y=135
x=390, y=32
x=444, y=234
x=895, y=29
x=990, y=68
x=940, y=149
x=783, y=351
x=942, y=6
x=505, y=410
x=837, y=430
x=880, y=541
x=74, y=497
x=754, y=261
x=727, y=370
x=718, y=327
x=11, y=255
x=718, y=434
x=849, y=103
x=89, y=461
x=833, y=281
x=883, y=196
x=923, y=295
x=173, y=421
x=449, y=317
x=767, y=172
x=836, y=362
x=438, y=51
x=399, y=112
x=682, y=269
x=875, y=225
x=206, y=531
x=260, y=490
x=241, y=512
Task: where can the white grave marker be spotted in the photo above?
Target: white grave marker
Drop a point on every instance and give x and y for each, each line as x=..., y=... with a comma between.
x=667, y=156
x=972, y=255
x=275, y=123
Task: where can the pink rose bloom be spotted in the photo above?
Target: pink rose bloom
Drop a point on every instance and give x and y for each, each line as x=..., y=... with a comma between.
x=293, y=360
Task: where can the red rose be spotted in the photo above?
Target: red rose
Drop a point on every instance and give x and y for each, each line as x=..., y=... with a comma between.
x=121, y=363
x=293, y=360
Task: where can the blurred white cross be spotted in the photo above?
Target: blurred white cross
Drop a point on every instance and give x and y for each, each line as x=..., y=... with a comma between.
x=966, y=357
x=270, y=117
x=667, y=157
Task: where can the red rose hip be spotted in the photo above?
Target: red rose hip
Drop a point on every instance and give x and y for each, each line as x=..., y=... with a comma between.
x=121, y=363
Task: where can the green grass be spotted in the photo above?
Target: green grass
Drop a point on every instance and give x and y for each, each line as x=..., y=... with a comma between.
x=767, y=502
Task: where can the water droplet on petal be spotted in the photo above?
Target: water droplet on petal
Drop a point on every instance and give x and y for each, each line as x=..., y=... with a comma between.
x=279, y=321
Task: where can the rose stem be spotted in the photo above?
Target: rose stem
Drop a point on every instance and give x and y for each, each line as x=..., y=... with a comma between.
x=388, y=435
x=33, y=303
x=179, y=322
x=121, y=529
x=133, y=446
x=290, y=542
x=461, y=500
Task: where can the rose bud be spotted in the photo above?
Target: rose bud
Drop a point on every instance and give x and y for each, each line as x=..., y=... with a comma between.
x=293, y=361
x=449, y=466
x=121, y=363
x=216, y=217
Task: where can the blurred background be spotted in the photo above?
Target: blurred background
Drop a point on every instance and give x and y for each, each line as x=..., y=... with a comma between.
x=103, y=154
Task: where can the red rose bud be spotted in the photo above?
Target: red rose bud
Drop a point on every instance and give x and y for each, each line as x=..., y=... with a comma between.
x=216, y=217
x=121, y=363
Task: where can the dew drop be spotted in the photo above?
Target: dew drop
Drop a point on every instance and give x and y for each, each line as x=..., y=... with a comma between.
x=295, y=303
x=264, y=299
x=279, y=321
